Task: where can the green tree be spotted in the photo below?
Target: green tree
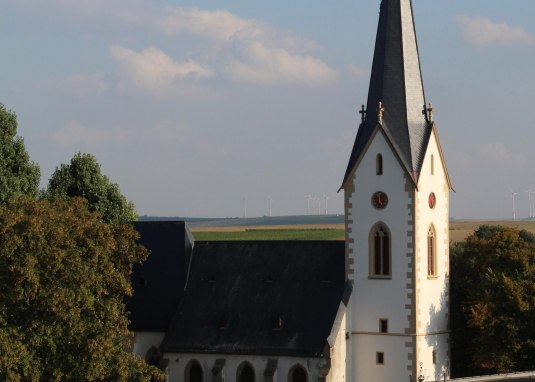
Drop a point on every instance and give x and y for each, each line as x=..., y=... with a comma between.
x=18, y=175
x=83, y=177
x=64, y=275
x=493, y=302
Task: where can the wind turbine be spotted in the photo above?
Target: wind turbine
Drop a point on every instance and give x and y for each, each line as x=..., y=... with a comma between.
x=531, y=194
x=307, y=197
x=244, y=208
x=326, y=198
x=269, y=200
x=513, y=196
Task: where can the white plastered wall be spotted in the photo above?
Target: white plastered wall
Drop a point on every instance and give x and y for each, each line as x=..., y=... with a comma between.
x=374, y=299
x=178, y=362
x=433, y=292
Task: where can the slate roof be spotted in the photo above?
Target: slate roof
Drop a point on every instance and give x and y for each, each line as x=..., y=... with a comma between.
x=260, y=297
x=396, y=81
x=159, y=282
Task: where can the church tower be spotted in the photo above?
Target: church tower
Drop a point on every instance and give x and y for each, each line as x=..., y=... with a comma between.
x=396, y=190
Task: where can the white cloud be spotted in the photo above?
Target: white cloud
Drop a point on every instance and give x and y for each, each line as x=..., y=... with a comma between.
x=271, y=66
x=480, y=31
x=155, y=71
x=219, y=25
x=245, y=50
x=249, y=50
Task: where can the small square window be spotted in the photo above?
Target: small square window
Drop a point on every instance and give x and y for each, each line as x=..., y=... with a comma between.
x=434, y=357
x=380, y=358
x=383, y=325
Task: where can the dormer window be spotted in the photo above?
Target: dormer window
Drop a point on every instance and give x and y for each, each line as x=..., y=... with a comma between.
x=379, y=164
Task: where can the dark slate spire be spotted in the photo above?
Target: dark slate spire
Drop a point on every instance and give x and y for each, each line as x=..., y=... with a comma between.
x=396, y=81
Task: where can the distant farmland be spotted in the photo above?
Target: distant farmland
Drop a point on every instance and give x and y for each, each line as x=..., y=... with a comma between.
x=459, y=230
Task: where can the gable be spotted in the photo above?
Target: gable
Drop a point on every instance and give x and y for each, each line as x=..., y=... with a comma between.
x=378, y=130
x=434, y=147
x=158, y=282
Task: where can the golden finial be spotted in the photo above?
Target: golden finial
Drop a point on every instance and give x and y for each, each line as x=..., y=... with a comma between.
x=380, y=111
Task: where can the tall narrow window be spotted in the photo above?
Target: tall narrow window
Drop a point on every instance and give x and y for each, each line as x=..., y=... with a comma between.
x=432, y=164
x=246, y=373
x=380, y=251
x=379, y=164
x=431, y=252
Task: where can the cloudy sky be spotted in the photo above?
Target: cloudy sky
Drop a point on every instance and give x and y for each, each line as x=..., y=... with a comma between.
x=199, y=108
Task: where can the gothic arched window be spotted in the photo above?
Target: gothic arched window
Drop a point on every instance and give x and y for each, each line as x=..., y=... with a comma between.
x=432, y=165
x=380, y=245
x=379, y=164
x=297, y=374
x=194, y=372
x=245, y=373
x=431, y=252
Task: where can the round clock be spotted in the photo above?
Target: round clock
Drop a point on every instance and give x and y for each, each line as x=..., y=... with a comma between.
x=432, y=200
x=379, y=200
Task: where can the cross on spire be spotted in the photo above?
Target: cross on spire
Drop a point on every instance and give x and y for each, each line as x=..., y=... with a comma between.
x=362, y=113
x=380, y=111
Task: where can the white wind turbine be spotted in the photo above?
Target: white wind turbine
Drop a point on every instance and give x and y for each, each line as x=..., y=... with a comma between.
x=513, y=197
x=270, y=200
x=307, y=197
x=326, y=198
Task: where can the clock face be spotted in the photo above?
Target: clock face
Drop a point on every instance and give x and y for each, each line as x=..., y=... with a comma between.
x=432, y=200
x=379, y=200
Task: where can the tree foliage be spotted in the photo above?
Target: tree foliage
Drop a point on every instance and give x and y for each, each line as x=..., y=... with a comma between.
x=493, y=302
x=18, y=175
x=64, y=275
x=83, y=177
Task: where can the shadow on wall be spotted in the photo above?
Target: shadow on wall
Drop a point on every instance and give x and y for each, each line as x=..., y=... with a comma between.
x=442, y=371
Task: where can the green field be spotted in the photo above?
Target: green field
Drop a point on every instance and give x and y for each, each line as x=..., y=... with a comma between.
x=459, y=230
x=272, y=234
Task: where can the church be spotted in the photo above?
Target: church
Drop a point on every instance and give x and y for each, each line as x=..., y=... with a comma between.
x=371, y=308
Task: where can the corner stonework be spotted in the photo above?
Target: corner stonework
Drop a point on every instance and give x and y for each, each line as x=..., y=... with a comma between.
x=349, y=190
x=411, y=277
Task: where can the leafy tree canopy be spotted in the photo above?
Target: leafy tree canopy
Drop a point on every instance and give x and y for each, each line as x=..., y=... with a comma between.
x=18, y=175
x=63, y=277
x=83, y=177
x=493, y=302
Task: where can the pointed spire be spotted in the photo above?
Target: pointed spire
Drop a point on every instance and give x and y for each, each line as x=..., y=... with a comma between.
x=396, y=82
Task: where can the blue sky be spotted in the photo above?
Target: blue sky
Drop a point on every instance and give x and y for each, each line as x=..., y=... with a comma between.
x=194, y=106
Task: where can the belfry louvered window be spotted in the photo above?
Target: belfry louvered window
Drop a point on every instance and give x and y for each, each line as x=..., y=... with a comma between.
x=379, y=164
x=380, y=244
